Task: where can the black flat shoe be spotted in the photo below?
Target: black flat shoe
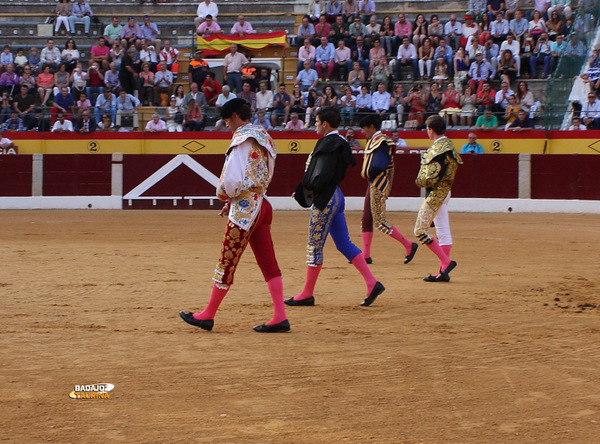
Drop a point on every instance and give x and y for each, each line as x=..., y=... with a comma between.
x=282, y=327
x=308, y=302
x=377, y=290
x=438, y=278
x=413, y=250
x=449, y=268
x=204, y=324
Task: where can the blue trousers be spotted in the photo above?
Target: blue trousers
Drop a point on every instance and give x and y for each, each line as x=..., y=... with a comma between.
x=329, y=221
x=234, y=81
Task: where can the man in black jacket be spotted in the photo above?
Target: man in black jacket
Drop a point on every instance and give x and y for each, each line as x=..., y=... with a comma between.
x=85, y=124
x=325, y=169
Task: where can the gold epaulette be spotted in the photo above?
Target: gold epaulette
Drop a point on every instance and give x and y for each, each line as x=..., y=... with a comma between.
x=376, y=141
x=440, y=147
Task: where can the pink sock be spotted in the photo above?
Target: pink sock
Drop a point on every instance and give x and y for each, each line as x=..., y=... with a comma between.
x=360, y=264
x=216, y=297
x=367, y=237
x=400, y=238
x=437, y=250
x=276, y=290
x=312, y=273
x=446, y=249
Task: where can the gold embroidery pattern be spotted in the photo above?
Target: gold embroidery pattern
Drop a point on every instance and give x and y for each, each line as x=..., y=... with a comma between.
x=428, y=177
x=427, y=212
x=235, y=242
x=378, y=199
x=318, y=229
x=246, y=205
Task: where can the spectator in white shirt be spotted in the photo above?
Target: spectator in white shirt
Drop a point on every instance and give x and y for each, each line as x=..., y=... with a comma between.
x=62, y=125
x=514, y=47
x=380, y=101
x=205, y=8
x=407, y=55
x=501, y=99
x=576, y=125
x=168, y=54
x=163, y=84
x=453, y=32
x=590, y=111
x=225, y=96
x=264, y=100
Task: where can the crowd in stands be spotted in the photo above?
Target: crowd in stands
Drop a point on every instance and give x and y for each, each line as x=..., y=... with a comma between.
x=453, y=65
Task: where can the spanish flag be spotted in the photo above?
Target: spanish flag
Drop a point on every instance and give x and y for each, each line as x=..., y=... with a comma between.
x=217, y=44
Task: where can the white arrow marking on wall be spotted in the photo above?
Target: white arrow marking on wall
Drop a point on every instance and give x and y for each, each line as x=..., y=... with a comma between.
x=166, y=169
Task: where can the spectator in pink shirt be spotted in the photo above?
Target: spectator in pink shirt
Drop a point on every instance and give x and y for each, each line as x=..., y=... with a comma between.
x=208, y=27
x=306, y=52
x=242, y=27
x=295, y=124
x=322, y=28
x=402, y=28
x=156, y=125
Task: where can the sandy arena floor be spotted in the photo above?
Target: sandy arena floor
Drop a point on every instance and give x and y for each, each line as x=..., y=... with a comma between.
x=508, y=352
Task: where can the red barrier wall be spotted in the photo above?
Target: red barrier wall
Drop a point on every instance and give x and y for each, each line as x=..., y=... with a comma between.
x=77, y=175
x=15, y=175
x=488, y=176
x=481, y=176
x=565, y=176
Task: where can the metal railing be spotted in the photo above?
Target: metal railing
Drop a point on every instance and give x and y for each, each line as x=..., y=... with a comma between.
x=559, y=86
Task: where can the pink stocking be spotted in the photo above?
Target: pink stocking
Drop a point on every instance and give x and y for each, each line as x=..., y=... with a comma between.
x=360, y=264
x=312, y=273
x=400, y=238
x=216, y=297
x=276, y=290
x=437, y=250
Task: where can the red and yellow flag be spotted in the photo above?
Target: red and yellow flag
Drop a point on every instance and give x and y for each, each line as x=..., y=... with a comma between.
x=218, y=43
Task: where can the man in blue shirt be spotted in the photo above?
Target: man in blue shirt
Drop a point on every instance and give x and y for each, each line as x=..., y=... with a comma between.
x=518, y=26
x=127, y=105
x=64, y=102
x=80, y=13
x=150, y=32
x=307, y=78
x=15, y=123
x=324, y=59
x=281, y=105
x=472, y=147
x=106, y=103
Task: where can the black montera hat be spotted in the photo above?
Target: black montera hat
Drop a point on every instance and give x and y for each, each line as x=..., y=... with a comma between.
x=232, y=106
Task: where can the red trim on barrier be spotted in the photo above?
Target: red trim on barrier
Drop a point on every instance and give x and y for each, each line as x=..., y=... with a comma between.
x=290, y=135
